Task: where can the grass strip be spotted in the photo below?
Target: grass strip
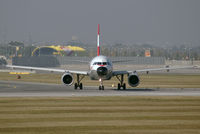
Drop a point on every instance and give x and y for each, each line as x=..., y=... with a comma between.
x=135, y=114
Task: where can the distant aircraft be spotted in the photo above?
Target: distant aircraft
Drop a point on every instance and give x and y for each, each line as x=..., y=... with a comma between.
x=101, y=68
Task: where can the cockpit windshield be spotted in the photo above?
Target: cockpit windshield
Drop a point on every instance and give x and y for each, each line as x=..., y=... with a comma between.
x=101, y=63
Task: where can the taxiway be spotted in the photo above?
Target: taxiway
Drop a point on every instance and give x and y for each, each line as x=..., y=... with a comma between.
x=26, y=89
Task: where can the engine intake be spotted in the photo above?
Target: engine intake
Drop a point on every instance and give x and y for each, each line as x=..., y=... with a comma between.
x=133, y=80
x=67, y=79
x=101, y=71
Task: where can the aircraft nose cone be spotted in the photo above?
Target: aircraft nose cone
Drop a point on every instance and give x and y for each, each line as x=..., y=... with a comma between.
x=102, y=71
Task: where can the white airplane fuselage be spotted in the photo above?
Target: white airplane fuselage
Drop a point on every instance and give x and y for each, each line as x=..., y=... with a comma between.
x=100, y=68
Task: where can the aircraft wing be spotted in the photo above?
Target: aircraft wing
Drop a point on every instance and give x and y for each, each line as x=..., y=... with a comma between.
x=115, y=73
x=164, y=68
x=153, y=69
x=48, y=69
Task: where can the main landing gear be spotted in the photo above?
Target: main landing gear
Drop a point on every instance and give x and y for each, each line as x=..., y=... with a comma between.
x=79, y=84
x=121, y=84
x=101, y=87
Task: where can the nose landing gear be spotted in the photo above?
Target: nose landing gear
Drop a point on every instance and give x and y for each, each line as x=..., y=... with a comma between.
x=101, y=87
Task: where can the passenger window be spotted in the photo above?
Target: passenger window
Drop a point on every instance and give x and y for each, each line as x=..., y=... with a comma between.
x=104, y=63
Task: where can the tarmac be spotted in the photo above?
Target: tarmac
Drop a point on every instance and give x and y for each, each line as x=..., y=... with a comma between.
x=29, y=89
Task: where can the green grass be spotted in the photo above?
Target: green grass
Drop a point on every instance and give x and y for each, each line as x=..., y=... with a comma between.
x=73, y=115
x=146, y=81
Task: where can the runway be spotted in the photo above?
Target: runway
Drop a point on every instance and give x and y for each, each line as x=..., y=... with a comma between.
x=28, y=89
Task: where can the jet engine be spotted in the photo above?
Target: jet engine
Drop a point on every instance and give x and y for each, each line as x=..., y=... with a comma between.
x=133, y=80
x=67, y=79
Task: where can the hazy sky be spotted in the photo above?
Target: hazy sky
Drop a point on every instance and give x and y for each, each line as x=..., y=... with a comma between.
x=133, y=21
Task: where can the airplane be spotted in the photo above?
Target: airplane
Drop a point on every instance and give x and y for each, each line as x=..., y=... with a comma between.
x=100, y=68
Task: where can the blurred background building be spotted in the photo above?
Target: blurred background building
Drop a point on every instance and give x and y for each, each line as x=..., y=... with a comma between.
x=58, y=50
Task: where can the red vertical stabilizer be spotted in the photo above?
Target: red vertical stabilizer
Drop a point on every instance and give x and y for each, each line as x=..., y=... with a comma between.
x=98, y=47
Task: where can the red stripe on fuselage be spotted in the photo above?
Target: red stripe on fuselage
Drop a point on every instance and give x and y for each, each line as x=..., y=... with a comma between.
x=101, y=65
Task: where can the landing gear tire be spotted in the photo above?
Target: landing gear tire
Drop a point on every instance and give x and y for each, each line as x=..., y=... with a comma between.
x=76, y=86
x=124, y=86
x=81, y=86
x=101, y=87
x=118, y=86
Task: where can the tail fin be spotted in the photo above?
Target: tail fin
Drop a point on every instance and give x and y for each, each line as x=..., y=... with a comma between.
x=98, y=47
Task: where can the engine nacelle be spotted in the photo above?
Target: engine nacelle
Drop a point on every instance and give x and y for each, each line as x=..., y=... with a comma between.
x=133, y=80
x=67, y=79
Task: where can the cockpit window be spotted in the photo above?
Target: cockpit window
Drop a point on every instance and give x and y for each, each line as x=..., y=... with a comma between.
x=97, y=63
x=101, y=63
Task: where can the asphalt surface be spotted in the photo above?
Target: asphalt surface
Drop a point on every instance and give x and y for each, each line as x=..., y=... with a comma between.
x=28, y=89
